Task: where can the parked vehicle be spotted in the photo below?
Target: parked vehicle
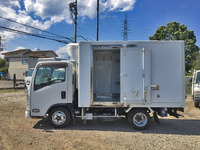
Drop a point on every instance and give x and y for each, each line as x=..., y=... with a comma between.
x=28, y=77
x=134, y=79
x=195, y=80
x=2, y=75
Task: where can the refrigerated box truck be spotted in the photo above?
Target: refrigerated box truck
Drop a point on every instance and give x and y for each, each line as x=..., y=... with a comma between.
x=129, y=79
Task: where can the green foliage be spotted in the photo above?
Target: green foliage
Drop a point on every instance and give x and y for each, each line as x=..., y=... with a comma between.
x=175, y=31
x=188, y=86
x=2, y=63
x=196, y=63
x=3, y=69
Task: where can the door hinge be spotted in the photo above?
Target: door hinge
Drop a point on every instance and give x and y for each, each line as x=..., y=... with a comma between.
x=124, y=46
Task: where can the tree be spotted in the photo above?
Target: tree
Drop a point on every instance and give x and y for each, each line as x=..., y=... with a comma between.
x=196, y=63
x=3, y=67
x=2, y=63
x=175, y=31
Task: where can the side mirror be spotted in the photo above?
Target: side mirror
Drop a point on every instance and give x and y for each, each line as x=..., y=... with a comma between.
x=25, y=73
x=190, y=79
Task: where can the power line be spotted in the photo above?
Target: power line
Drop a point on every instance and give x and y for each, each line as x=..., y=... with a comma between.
x=88, y=34
x=36, y=28
x=31, y=34
x=82, y=37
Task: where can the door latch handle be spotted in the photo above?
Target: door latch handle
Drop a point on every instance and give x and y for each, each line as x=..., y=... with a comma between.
x=63, y=95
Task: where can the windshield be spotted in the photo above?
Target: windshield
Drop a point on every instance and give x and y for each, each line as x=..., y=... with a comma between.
x=198, y=77
x=49, y=74
x=29, y=72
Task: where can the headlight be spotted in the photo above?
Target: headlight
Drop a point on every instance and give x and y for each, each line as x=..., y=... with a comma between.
x=196, y=94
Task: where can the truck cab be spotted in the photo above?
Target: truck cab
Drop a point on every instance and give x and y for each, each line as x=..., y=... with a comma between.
x=196, y=87
x=51, y=85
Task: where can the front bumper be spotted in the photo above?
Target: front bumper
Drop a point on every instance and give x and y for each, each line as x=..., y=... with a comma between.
x=28, y=114
x=196, y=100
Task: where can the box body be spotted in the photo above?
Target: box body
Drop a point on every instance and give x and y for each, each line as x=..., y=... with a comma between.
x=131, y=74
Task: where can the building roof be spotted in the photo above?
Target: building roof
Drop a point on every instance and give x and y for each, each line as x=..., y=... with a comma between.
x=41, y=54
x=29, y=53
x=16, y=52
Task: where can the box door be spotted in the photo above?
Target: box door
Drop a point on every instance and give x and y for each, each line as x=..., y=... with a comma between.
x=135, y=74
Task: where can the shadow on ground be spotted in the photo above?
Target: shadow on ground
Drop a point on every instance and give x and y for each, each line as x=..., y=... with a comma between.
x=166, y=126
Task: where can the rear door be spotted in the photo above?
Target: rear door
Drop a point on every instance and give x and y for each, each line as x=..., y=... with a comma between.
x=49, y=87
x=135, y=74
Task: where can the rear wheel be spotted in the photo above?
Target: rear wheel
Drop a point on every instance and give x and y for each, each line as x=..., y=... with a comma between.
x=59, y=117
x=139, y=119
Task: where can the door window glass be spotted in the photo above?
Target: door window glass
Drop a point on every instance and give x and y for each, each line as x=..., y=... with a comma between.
x=198, y=77
x=49, y=74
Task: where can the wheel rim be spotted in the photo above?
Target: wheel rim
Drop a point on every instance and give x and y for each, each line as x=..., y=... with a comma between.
x=140, y=119
x=58, y=118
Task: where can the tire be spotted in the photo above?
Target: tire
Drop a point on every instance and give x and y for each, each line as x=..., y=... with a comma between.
x=59, y=117
x=196, y=104
x=139, y=119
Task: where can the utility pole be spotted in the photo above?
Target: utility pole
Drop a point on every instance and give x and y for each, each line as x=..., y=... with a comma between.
x=125, y=30
x=97, y=20
x=74, y=13
x=1, y=49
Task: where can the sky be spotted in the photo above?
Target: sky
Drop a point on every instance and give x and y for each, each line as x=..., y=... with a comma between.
x=144, y=17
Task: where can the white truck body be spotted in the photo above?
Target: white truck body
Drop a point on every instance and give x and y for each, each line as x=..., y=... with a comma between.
x=161, y=64
x=113, y=75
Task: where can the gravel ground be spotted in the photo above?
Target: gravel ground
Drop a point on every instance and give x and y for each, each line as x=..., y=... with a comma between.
x=20, y=133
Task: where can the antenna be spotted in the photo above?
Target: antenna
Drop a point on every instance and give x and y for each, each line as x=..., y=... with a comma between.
x=125, y=29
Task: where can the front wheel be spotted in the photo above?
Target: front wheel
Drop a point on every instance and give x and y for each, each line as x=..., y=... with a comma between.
x=139, y=119
x=59, y=117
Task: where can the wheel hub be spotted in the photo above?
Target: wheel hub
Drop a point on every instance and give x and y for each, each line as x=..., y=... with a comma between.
x=140, y=119
x=58, y=118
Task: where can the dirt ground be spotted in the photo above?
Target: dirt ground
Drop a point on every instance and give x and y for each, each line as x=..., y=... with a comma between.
x=20, y=133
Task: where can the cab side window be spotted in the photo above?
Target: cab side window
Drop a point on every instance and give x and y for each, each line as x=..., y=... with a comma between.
x=49, y=74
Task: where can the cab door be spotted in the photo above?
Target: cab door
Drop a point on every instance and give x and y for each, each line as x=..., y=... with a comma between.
x=49, y=87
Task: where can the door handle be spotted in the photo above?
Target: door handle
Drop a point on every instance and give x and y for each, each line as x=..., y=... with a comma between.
x=63, y=95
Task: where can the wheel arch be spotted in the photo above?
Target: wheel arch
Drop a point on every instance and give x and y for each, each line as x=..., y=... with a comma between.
x=148, y=109
x=60, y=105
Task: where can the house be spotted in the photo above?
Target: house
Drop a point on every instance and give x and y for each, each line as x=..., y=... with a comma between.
x=21, y=60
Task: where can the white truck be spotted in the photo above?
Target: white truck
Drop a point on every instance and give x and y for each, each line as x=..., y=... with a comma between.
x=132, y=79
x=195, y=80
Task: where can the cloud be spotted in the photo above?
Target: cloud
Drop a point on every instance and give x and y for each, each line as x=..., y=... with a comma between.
x=120, y=5
x=43, y=13
x=20, y=47
x=11, y=9
x=62, y=52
